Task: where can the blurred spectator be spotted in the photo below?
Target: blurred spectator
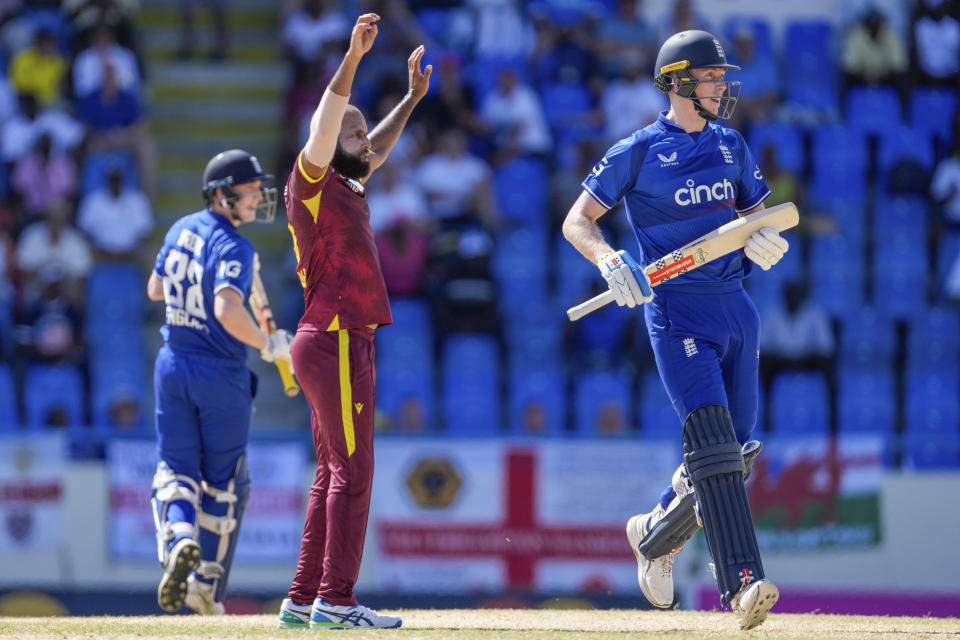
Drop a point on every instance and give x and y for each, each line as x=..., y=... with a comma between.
x=682, y=18
x=873, y=53
x=936, y=43
x=124, y=411
x=43, y=178
x=501, y=30
x=91, y=65
x=796, y=335
x=39, y=69
x=564, y=53
x=610, y=421
x=631, y=102
x=19, y=133
x=451, y=101
x=115, y=217
x=514, y=116
x=188, y=35
x=86, y=16
x=624, y=39
x=53, y=244
x=51, y=326
x=399, y=219
x=468, y=198
x=311, y=33
x=116, y=121
x=461, y=286
x=760, y=81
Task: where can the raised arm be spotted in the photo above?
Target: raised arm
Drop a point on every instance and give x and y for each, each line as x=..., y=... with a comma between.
x=386, y=133
x=326, y=120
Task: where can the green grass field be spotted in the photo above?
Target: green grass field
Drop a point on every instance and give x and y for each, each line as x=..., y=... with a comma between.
x=499, y=624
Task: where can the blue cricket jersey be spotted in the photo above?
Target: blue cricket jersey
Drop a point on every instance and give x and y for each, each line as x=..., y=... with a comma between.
x=678, y=186
x=201, y=254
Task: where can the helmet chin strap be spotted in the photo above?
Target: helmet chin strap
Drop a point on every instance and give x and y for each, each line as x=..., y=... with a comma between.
x=702, y=111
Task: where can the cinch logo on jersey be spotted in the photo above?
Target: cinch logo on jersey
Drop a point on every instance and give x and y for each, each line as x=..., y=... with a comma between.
x=695, y=194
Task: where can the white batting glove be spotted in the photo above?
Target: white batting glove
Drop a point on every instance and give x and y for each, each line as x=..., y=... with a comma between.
x=626, y=279
x=278, y=347
x=766, y=247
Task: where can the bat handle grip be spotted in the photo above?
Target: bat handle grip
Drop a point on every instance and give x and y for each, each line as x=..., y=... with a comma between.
x=591, y=305
x=290, y=386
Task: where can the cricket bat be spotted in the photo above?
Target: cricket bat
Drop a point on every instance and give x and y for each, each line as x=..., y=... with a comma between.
x=719, y=242
x=261, y=310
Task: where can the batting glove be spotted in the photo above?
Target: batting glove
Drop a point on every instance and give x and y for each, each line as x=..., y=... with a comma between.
x=766, y=247
x=626, y=279
x=278, y=347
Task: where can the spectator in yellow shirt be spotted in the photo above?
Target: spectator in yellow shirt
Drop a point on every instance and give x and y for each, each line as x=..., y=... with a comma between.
x=39, y=69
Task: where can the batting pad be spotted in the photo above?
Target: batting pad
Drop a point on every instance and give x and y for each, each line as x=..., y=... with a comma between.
x=715, y=465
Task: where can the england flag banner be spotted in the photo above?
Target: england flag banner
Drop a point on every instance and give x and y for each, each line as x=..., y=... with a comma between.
x=271, y=526
x=31, y=491
x=455, y=516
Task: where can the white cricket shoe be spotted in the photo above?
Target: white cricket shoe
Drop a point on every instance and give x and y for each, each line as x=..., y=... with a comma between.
x=753, y=602
x=335, y=616
x=200, y=598
x=293, y=615
x=182, y=559
x=655, y=576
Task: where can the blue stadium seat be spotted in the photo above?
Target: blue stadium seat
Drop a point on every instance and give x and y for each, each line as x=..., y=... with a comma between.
x=117, y=344
x=799, y=403
x=925, y=452
x=598, y=395
x=765, y=292
x=758, y=25
x=435, y=22
x=115, y=295
x=408, y=342
x=866, y=401
x=112, y=379
x=53, y=387
x=872, y=110
x=931, y=403
x=575, y=275
x=837, y=273
x=402, y=389
x=948, y=252
x=838, y=164
x=98, y=164
x=812, y=66
x=483, y=72
x=850, y=216
x=535, y=335
x=932, y=111
x=9, y=419
x=520, y=266
x=867, y=339
x=900, y=273
x=658, y=418
x=788, y=142
x=933, y=340
x=903, y=142
x=521, y=187
x=471, y=385
x=535, y=388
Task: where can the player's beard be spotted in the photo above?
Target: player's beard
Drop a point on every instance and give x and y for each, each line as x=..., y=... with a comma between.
x=349, y=165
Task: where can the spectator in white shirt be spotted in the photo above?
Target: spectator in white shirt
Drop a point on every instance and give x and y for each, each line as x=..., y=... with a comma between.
x=53, y=243
x=89, y=69
x=458, y=185
x=514, y=114
x=116, y=217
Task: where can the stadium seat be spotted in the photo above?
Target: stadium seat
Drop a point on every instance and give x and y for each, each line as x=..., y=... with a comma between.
x=799, y=403
x=932, y=111
x=9, y=419
x=49, y=388
x=408, y=342
x=98, y=164
x=900, y=143
x=837, y=273
x=535, y=335
x=402, y=391
x=757, y=25
x=471, y=385
x=812, y=66
x=838, y=164
x=520, y=266
x=537, y=400
x=900, y=273
x=575, y=276
x=521, y=187
x=948, y=252
x=115, y=295
x=110, y=381
x=867, y=339
x=788, y=142
x=872, y=110
x=925, y=452
x=866, y=401
x=931, y=403
x=603, y=400
x=658, y=418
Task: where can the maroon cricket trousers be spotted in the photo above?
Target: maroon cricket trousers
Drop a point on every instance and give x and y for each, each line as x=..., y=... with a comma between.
x=337, y=373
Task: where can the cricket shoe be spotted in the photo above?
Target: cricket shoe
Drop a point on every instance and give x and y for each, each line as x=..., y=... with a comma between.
x=335, y=616
x=655, y=576
x=182, y=559
x=200, y=598
x=293, y=615
x=753, y=602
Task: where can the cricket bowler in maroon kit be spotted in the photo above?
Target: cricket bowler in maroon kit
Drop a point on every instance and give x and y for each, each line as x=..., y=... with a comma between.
x=345, y=301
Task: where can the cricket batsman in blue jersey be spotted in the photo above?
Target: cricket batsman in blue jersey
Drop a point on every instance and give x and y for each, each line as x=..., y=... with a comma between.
x=681, y=177
x=204, y=389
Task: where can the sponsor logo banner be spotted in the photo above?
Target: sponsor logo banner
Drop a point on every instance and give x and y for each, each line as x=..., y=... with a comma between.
x=273, y=522
x=31, y=491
